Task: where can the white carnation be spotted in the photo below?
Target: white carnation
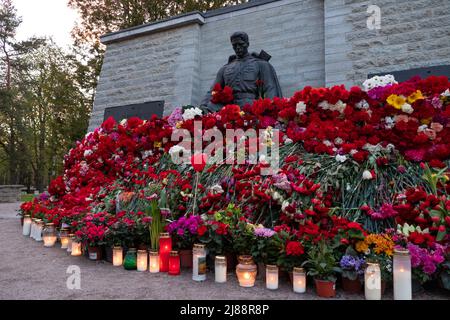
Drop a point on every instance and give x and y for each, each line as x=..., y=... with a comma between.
x=407, y=108
x=191, y=113
x=340, y=158
x=301, y=107
x=367, y=175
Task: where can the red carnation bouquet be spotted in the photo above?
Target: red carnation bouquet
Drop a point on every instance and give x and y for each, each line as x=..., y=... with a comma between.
x=222, y=96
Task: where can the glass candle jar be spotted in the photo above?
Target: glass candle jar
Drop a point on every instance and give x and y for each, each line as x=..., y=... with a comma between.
x=76, y=247
x=199, y=262
x=299, y=280
x=49, y=235
x=38, y=230
x=130, y=261
x=142, y=260
x=165, y=246
x=372, y=281
x=402, y=275
x=220, y=269
x=174, y=263
x=26, y=229
x=64, y=237
x=272, y=277
x=154, y=261
x=117, y=256
x=33, y=228
x=69, y=242
x=246, y=271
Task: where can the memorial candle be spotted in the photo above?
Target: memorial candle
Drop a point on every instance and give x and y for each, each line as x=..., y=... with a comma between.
x=272, y=277
x=372, y=281
x=220, y=269
x=49, y=235
x=199, y=262
x=64, y=237
x=38, y=230
x=174, y=263
x=299, y=280
x=117, y=256
x=69, y=243
x=76, y=248
x=154, y=261
x=26, y=229
x=402, y=275
x=33, y=228
x=165, y=246
x=142, y=260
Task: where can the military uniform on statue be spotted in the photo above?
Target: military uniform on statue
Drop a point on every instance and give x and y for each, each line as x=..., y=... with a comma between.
x=250, y=76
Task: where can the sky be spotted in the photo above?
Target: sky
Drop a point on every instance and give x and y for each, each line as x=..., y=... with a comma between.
x=46, y=18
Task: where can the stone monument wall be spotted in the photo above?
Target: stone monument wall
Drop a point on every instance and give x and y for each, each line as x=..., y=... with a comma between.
x=312, y=42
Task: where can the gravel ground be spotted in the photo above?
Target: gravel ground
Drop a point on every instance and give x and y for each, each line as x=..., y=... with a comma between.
x=28, y=270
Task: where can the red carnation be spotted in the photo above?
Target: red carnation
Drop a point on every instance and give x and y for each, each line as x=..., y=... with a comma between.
x=294, y=248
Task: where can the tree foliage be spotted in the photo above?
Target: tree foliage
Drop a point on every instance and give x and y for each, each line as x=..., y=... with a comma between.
x=44, y=107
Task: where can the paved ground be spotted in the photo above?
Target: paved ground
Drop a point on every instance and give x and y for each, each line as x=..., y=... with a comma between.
x=28, y=270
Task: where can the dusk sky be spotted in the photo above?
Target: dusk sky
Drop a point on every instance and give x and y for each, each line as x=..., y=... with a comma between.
x=46, y=18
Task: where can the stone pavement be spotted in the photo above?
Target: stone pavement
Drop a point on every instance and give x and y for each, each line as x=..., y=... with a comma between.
x=28, y=270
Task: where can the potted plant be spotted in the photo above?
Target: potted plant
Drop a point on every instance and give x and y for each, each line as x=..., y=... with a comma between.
x=323, y=266
x=291, y=251
x=185, y=232
x=225, y=235
x=352, y=267
x=91, y=231
x=266, y=248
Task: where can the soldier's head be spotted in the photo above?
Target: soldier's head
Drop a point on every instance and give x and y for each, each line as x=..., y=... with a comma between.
x=240, y=43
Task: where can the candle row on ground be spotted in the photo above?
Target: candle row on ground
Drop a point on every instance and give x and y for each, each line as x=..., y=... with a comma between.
x=167, y=260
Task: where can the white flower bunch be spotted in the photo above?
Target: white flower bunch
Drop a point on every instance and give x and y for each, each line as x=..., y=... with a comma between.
x=339, y=106
x=378, y=81
x=191, y=113
x=301, y=107
x=340, y=158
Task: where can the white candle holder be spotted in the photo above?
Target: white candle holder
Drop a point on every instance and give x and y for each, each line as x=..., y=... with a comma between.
x=402, y=275
x=372, y=281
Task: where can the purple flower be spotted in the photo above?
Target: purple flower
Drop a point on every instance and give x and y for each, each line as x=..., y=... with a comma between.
x=264, y=232
x=281, y=181
x=175, y=117
x=352, y=263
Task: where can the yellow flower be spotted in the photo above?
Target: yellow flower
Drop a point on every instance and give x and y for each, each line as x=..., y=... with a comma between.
x=178, y=125
x=361, y=246
x=415, y=96
x=157, y=144
x=396, y=101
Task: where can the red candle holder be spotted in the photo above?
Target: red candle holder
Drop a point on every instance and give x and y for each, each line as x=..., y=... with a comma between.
x=174, y=263
x=165, y=246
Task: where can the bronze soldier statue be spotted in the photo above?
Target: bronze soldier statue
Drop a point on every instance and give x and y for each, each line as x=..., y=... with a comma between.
x=241, y=74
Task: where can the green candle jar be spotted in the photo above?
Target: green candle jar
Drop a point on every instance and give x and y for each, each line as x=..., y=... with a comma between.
x=130, y=261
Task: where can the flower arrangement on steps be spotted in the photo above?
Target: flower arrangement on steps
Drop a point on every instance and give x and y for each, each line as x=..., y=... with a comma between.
x=365, y=168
